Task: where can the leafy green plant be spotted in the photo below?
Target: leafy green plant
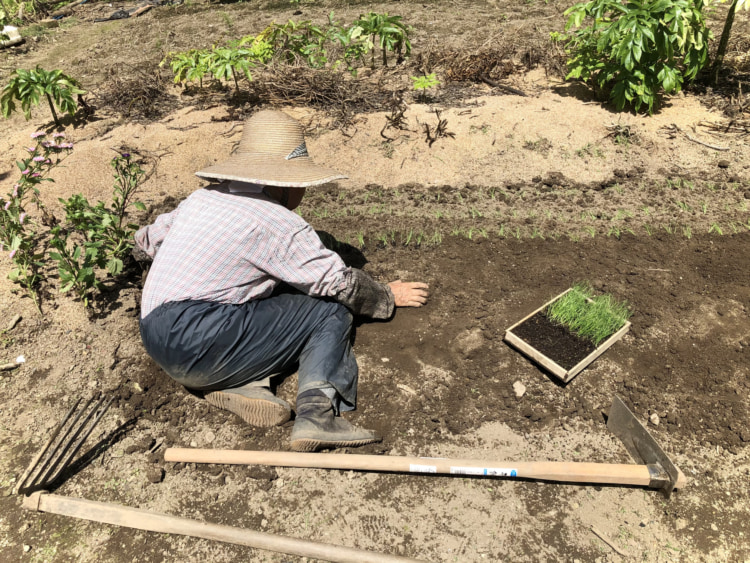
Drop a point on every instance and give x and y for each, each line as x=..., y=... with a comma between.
x=594, y=318
x=227, y=63
x=189, y=66
x=294, y=40
x=105, y=227
x=96, y=237
x=387, y=31
x=19, y=235
x=422, y=84
x=638, y=50
x=28, y=86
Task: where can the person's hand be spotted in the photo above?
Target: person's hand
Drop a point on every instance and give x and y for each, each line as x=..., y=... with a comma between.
x=409, y=294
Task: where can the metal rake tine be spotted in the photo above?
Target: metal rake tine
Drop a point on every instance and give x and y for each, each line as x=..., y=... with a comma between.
x=62, y=446
x=62, y=466
x=37, y=457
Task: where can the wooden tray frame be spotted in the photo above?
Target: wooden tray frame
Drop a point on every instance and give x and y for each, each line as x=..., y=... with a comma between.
x=550, y=365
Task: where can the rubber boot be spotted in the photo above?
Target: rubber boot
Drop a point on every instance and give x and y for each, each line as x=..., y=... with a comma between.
x=255, y=404
x=317, y=427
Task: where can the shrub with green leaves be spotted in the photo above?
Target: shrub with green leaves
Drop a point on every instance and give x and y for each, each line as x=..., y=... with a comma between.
x=28, y=87
x=636, y=51
x=591, y=317
x=107, y=236
x=19, y=234
x=388, y=31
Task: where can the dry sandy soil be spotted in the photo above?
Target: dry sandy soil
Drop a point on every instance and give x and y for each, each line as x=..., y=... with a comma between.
x=527, y=196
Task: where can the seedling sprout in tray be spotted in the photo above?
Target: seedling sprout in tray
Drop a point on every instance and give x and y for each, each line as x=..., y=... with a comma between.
x=570, y=331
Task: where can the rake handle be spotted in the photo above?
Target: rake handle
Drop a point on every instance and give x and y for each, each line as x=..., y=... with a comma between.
x=164, y=523
x=601, y=473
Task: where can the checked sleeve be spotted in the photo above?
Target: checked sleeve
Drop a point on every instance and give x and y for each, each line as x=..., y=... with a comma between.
x=148, y=239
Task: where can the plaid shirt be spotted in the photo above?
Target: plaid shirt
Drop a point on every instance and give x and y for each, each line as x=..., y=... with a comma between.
x=236, y=247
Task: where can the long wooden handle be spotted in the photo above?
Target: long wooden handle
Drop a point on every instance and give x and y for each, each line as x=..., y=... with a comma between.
x=604, y=473
x=164, y=523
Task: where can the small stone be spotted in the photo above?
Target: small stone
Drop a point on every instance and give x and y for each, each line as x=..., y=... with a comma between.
x=680, y=524
x=26, y=548
x=264, y=523
x=723, y=163
x=468, y=342
x=519, y=389
x=714, y=527
x=654, y=419
x=193, y=444
x=210, y=437
x=385, y=360
x=155, y=474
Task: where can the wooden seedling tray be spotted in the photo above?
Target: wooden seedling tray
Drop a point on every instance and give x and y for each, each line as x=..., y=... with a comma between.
x=549, y=364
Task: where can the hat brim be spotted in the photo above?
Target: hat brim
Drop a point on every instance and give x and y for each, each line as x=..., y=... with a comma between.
x=271, y=171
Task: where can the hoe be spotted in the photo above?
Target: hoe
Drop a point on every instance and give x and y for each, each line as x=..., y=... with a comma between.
x=655, y=469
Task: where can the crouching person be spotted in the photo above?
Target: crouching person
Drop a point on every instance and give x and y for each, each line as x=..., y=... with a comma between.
x=241, y=288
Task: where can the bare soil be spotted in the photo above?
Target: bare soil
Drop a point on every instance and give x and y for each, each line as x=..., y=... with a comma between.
x=529, y=195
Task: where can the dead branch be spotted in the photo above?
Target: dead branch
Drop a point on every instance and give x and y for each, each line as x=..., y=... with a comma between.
x=441, y=130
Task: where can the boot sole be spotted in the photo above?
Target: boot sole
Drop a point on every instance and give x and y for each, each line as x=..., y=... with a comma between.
x=309, y=445
x=256, y=412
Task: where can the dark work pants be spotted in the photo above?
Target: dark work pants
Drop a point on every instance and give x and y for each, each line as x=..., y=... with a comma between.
x=209, y=346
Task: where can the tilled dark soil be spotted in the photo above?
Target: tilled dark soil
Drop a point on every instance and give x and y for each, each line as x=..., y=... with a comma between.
x=694, y=377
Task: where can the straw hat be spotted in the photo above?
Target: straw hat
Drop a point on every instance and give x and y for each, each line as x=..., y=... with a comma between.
x=272, y=152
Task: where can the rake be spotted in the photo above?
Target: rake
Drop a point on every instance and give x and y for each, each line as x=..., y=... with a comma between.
x=64, y=443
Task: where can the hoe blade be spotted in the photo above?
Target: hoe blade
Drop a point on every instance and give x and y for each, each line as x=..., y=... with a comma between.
x=643, y=447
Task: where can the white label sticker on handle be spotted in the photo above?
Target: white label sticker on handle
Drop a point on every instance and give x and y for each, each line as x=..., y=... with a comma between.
x=488, y=471
x=414, y=468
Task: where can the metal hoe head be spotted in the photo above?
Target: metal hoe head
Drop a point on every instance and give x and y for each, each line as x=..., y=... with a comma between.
x=643, y=448
x=62, y=446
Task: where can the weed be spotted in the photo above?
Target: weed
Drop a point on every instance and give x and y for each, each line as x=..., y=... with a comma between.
x=590, y=230
x=715, y=228
x=704, y=207
x=536, y=233
x=589, y=150
x=387, y=148
x=669, y=229
x=501, y=231
x=687, y=232
x=437, y=237
x=475, y=213
x=541, y=145
x=684, y=206
x=614, y=232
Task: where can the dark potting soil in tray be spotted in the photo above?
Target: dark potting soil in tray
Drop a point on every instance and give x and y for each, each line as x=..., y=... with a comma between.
x=554, y=341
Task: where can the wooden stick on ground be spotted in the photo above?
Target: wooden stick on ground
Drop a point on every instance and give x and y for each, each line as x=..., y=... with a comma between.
x=606, y=540
x=164, y=523
x=570, y=472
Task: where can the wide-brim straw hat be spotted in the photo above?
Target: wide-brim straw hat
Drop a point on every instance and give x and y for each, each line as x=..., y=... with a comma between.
x=272, y=152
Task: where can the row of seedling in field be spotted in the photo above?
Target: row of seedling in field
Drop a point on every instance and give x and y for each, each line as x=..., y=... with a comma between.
x=293, y=42
x=428, y=237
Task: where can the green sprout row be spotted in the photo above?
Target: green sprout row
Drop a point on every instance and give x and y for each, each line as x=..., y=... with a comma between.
x=590, y=317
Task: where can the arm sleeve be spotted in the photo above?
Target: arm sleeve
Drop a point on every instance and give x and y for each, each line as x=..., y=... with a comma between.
x=148, y=239
x=304, y=263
